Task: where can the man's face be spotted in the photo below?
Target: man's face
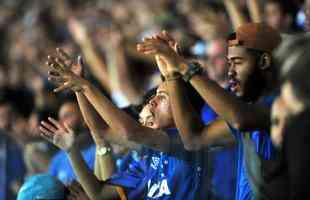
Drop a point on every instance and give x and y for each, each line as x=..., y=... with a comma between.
x=241, y=70
x=157, y=113
x=6, y=116
x=69, y=113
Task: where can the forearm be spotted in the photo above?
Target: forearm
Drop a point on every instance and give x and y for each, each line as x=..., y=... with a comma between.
x=100, y=131
x=115, y=118
x=91, y=118
x=235, y=14
x=123, y=76
x=97, y=66
x=88, y=180
x=127, y=130
x=186, y=118
x=106, y=166
x=239, y=114
x=255, y=11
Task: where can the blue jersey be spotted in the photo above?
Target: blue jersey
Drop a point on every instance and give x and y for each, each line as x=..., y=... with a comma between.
x=61, y=168
x=222, y=167
x=178, y=174
x=253, y=148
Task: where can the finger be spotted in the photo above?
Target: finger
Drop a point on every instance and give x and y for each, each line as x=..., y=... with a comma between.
x=57, y=79
x=147, y=39
x=168, y=36
x=46, y=132
x=142, y=47
x=69, y=129
x=61, y=63
x=48, y=126
x=53, y=73
x=62, y=87
x=149, y=42
x=80, y=62
x=177, y=48
x=64, y=56
x=55, y=123
x=53, y=64
x=150, y=52
x=46, y=137
x=160, y=37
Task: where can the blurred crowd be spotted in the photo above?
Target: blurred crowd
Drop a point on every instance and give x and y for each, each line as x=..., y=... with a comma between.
x=99, y=69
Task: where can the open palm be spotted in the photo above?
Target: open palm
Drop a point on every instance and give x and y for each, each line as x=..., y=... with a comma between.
x=60, y=135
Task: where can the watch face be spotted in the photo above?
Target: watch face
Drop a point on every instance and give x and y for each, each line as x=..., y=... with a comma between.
x=103, y=150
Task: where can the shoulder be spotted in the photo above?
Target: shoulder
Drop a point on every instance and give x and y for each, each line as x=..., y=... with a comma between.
x=58, y=157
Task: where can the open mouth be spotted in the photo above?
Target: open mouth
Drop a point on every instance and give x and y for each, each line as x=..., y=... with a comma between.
x=234, y=85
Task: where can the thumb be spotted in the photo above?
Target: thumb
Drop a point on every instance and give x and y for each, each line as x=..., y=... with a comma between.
x=80, y=63
x=69, y=129
x=80, y=60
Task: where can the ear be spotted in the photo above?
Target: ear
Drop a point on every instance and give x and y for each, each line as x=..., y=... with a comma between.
x=265, y=61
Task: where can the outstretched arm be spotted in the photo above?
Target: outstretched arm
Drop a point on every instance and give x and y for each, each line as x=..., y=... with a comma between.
x=239, y=114
x=119, y=71
x=194, y=133
x=236, y=16
x=255, y=11
x=121, y=122
x=63, y=137
x=129, y=129
x=97, y=66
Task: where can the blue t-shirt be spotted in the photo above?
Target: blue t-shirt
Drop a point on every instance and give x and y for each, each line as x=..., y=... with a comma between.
x=222, y=163
x=151, y=174
x=252, y=147
x=61, y=168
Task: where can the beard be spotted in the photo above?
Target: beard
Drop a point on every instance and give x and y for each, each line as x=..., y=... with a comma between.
x=254, y=86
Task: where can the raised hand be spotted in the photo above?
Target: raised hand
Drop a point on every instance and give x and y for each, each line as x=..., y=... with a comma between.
x=61, y=135
x=65, y=72
x=165, y=50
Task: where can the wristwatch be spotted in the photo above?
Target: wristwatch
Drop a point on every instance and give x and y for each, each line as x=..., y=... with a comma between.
x=101, y=151
x=193, y=69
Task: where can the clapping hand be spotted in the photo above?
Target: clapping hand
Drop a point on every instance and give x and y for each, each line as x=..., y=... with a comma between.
x=61, y=135
x=166, y=52
x=65, y=72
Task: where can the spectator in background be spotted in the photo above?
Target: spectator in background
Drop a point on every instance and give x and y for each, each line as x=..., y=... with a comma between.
x=290, y=121
x=37, y=153
x=60, y=166
x=280, y=15
x=216, y=66
x=12, y=167
x=42, y=186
